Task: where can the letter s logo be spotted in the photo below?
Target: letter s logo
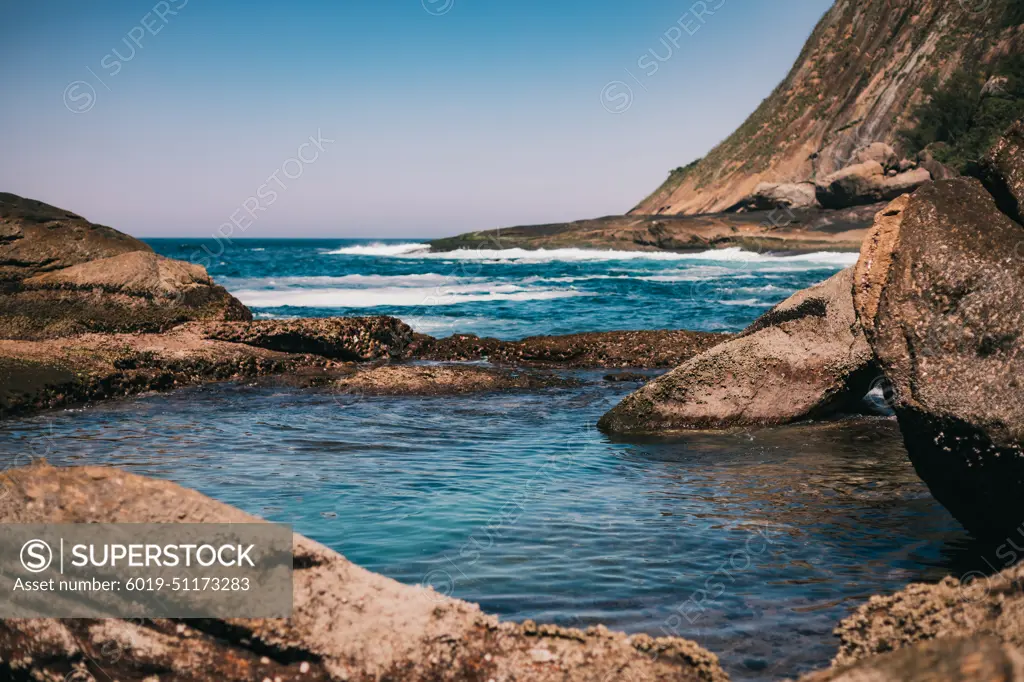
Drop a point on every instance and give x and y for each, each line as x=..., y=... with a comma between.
x=36, y=556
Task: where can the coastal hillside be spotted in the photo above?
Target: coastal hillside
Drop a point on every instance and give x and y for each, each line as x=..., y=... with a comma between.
x=935, y=80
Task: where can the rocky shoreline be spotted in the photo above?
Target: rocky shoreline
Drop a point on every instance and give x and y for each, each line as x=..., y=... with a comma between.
x=342, y=354
x=775, y=230
x=931, y=314
x=89, y=314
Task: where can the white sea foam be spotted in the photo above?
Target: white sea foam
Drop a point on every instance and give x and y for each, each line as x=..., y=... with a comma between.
x=395, y=296
x=411, y=280
x=380, y=249
x=767, y=288
x=443, y=326
x=422, y=251
x=747, y=302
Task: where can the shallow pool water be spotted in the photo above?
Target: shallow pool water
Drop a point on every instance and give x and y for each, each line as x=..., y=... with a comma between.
x=754, y=543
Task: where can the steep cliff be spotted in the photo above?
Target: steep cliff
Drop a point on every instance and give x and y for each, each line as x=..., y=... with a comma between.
x=862, y=77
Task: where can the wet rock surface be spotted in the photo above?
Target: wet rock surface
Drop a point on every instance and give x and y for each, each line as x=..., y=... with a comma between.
x=805, y=358
x=39, y=375
x=940, y=293
x=344, y=353
x=445, y=380
x=356, y=339
x=648, y=349
x=347, y=623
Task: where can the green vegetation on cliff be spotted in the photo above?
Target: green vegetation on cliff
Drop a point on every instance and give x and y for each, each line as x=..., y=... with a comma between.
x=963, y=117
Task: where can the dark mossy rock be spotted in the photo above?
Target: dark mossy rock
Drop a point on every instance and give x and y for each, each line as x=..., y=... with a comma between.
x=354, y=339
x=1002, y=172
x=648, y=349
x=940, y=294
x=803, y=359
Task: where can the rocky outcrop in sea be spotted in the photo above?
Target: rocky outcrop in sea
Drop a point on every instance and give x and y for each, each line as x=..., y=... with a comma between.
x=805, y=358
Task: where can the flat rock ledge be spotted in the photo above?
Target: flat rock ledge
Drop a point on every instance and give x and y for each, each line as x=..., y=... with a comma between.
x=347, y=623
x=345, y=353
x=425, y=380
x=611, y=350
x=353, y=339
x=39, y=375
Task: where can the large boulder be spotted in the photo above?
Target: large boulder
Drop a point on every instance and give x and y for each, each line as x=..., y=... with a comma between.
x=61, y=275
x=1002, y=172
x=939, y=292
x=36, y=238
x=867, y=183
x=879, y=152
x=346, y=624
x=770, y=195
x=136, y=291
x=803, y=359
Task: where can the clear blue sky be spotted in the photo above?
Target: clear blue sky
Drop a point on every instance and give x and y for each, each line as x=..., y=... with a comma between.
x=445, y=115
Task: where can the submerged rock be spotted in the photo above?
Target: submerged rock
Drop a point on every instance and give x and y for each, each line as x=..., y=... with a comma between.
x=629, y=377
x=356, y=339
x=347, y=623
x=445, y=380
x=940, y=294
x=805, y=358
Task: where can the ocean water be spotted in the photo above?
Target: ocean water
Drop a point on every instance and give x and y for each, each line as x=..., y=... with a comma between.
x=755, y=543
x=508, y=293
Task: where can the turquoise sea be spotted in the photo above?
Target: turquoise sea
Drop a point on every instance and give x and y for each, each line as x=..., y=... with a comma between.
x=754, y=543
